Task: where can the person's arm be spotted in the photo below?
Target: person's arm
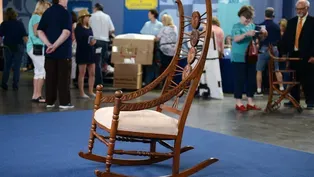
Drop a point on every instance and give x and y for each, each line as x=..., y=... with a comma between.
x=66, y=25
x=143, y=30
x=64, y=36
x=25, y=39
x=221, y=38
x=238, y=37
x=42, y=36
x=93, y=41
x=111, y=27
x=35, y=26
x=73, y=32
x=35, y=21
x=160, y=34
x=24, y=33
x=41, y=28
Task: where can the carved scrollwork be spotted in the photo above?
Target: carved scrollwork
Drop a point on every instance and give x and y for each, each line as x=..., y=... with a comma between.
x=155, y=102
x=191, y=55
x=187, y=71
x=196, y=20
x=138, y=93
x=194, y=38
x=172, y=88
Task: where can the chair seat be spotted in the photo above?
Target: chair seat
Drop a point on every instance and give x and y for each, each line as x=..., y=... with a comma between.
x=143, y=121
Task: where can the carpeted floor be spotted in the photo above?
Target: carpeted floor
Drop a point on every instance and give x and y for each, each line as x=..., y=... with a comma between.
x=47, y=145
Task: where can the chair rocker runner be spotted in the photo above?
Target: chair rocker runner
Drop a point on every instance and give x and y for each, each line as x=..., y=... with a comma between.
x=137, y=122
x=273, y=105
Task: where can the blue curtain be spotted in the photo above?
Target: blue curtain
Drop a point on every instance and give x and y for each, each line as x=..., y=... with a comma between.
x=260, y=7
x=116, y=11
x=228, y=14
x=289, y=8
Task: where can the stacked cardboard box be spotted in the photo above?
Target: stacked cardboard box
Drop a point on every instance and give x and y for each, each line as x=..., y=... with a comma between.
x=129, y=53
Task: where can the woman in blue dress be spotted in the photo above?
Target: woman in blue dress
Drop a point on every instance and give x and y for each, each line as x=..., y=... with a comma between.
x=85, y=53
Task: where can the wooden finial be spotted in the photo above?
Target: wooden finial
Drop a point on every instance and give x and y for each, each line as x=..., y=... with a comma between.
x=99, y=87
x=118, y=94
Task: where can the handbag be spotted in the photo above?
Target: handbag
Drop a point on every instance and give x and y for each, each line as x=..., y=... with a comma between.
x=37, y=48
x=252, y=52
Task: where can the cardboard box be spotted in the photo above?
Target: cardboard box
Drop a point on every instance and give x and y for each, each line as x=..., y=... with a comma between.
x=127, y=76
x=133, y=48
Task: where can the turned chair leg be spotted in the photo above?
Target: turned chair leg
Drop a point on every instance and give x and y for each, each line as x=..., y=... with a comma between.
x=91, y=138
x=109, y=155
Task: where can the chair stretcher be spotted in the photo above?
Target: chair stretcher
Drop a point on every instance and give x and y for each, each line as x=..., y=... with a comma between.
x=272, y=104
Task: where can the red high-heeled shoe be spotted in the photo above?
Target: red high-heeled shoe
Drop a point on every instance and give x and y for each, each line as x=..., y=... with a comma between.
x=241, y=108
x=253, y=107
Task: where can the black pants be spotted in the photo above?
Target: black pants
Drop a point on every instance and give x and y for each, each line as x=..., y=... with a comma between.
x=165, y=60
x=104, y=51
x=244, y=74
x=151, y=72
x=308, y=82
x=304, y=75
x=13, y=59
x=98, y=70
x=57, y=81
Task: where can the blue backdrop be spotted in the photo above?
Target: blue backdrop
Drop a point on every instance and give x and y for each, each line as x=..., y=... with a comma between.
x=131, y=21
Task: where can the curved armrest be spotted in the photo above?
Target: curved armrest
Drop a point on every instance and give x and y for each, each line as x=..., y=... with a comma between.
x=282, y=59
x=135, y=94
x=155, y=102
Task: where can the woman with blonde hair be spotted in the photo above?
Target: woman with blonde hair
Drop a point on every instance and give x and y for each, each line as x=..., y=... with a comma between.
x=35, y=50
x=283, y=25
x=167, y=38
x=85, y=53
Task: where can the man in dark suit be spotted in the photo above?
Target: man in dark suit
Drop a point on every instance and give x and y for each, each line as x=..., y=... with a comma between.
x=298, y=41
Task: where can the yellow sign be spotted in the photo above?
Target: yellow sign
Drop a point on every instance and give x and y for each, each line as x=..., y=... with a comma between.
x=141, y=4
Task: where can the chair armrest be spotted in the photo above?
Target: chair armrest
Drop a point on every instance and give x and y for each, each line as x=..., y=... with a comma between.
x=138, y=93
x=155, y=102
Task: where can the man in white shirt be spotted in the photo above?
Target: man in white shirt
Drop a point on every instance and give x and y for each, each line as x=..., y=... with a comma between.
x=102, y=27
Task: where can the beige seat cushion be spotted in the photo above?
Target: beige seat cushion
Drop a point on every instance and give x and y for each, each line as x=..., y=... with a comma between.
x=144, y=121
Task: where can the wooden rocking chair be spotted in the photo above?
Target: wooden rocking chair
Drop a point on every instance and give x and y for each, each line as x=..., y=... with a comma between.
x=136, y=122
x=273, y=105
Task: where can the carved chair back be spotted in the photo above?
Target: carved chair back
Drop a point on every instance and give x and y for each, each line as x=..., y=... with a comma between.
x=195, y=57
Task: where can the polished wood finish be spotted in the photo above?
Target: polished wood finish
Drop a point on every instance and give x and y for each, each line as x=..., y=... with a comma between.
x=171, y=91
x=273, y=105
